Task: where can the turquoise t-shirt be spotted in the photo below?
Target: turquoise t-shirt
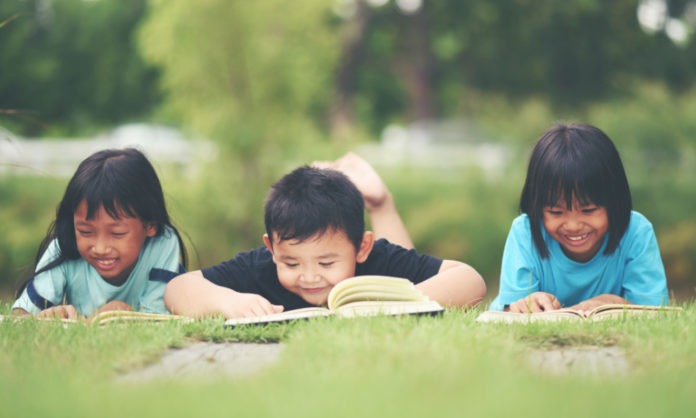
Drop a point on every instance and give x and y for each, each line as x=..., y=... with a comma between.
x=634, y=271
x=83, y=287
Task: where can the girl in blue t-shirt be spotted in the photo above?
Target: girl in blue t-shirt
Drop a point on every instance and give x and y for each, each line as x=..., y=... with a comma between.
x=111, y=246
x=577, y=242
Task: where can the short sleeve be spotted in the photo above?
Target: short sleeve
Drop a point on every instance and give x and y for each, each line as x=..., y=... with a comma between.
x=645, y=282
x=517, y=275
x=46, y=289
x=393, y=260
x=164, y=264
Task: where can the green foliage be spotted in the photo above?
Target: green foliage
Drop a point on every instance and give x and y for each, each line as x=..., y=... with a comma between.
x=70, y=65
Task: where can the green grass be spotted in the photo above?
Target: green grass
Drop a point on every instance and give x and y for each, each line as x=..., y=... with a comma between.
x=400, y=367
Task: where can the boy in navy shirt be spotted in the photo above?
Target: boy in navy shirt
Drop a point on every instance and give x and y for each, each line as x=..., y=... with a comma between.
x=315, y=238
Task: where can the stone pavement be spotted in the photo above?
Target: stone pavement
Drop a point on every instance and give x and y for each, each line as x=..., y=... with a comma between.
x=208, y=360
x=583, y=360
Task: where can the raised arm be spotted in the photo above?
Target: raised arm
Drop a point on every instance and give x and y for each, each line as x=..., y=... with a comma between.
x=191, y=294
x=455, y=285
x=379, y=202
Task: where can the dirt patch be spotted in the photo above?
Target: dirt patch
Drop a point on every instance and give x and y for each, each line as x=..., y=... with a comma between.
x=584, y=360
x=208, y=360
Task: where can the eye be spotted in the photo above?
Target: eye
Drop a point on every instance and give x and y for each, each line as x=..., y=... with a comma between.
x=291, y=265
x=83, y=233
x=589, y=209
x=118, y=234
x=326, y=264
x=554, y=211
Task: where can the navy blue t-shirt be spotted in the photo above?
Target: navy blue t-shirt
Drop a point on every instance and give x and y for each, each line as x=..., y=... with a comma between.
x=255, y=272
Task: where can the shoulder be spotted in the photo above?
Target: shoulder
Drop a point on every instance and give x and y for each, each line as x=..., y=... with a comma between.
x=521, y=222
x=638, y=225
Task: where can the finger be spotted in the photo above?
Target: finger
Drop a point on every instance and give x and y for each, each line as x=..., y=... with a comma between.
x=278, y=308
x=545, y=303
x=71, y=312
x=555, y=303
x=535, y=306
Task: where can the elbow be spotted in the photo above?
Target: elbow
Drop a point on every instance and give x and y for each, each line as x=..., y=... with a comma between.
x=172, y=292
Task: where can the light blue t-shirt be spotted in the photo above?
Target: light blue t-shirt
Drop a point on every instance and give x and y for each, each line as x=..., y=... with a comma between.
x=633, y=271
x=83, y=287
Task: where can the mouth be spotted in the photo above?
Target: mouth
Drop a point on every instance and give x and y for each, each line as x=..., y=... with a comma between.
x=576, y=239
x=105, y=263
x=313, y=290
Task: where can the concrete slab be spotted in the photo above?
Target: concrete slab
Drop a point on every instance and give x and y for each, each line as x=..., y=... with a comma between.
x=208, y=360
x=583, y=360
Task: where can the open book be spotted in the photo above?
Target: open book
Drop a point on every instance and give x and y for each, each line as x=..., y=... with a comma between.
x=103, y=318
x=359, y=296
x=599, y=313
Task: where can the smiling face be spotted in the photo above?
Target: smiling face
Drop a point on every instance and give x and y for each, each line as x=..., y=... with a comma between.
x=110, y=245
x=580, y=229
x=312, y=267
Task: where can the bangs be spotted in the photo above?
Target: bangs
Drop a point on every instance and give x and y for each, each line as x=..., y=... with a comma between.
x=111, y=192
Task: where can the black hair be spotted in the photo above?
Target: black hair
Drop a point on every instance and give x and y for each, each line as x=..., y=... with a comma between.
x=122, y=181
x=312, y=200
x=576, y=160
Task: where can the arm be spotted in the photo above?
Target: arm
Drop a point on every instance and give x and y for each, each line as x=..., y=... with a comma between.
x=379, y=202
x=455, y=285
x=193, y=295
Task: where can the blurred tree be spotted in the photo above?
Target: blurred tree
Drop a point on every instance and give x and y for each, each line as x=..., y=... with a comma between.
x=256, y=77
x=70, y=64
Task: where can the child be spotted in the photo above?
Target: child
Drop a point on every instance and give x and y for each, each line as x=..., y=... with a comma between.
x=315, y=238
x=578, y=243
x=111, y=245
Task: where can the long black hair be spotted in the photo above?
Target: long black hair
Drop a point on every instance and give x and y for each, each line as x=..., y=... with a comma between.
x=576, y=160
x=122, y=181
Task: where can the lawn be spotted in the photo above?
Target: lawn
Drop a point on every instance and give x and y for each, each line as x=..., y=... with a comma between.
x=400, y=367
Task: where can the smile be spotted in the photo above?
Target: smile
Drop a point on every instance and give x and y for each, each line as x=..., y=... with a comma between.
x=577, y=237
x=312, y=289
x=106, y=264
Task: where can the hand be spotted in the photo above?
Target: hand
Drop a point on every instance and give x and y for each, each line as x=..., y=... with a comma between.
x=365, y=178
x=536, y=302
x=60, y=312
x=249, y=304
x=588, y=305
x=114, y=305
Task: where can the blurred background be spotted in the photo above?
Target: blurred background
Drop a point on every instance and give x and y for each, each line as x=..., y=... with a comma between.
x=445, y=98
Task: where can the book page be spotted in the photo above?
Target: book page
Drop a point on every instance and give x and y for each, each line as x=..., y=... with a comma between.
x=399, y=289
x=302, y=313
x=511, y=317
x=370, y=308
x=618, y=310
x=106, y=317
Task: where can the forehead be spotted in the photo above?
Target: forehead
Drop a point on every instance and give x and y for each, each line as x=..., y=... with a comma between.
x=329, y=242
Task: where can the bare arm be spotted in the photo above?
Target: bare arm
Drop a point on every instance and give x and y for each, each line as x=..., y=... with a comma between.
x=455, y=285
x=191, y=294
x=379, y=202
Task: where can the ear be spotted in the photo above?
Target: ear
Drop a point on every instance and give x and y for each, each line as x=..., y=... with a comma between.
x=365, y=247
x=268, y=243
x=150, y=229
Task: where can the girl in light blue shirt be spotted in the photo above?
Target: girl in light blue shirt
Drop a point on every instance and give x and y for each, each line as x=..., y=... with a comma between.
x=578, y=243
x=111, y=246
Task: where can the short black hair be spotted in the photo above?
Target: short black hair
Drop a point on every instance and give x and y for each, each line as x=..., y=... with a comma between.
x=576, y=160
x=309, y=201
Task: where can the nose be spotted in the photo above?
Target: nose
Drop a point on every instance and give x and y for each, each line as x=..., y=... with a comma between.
x=100, y=246
x=572, y=223
x=309, y=275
